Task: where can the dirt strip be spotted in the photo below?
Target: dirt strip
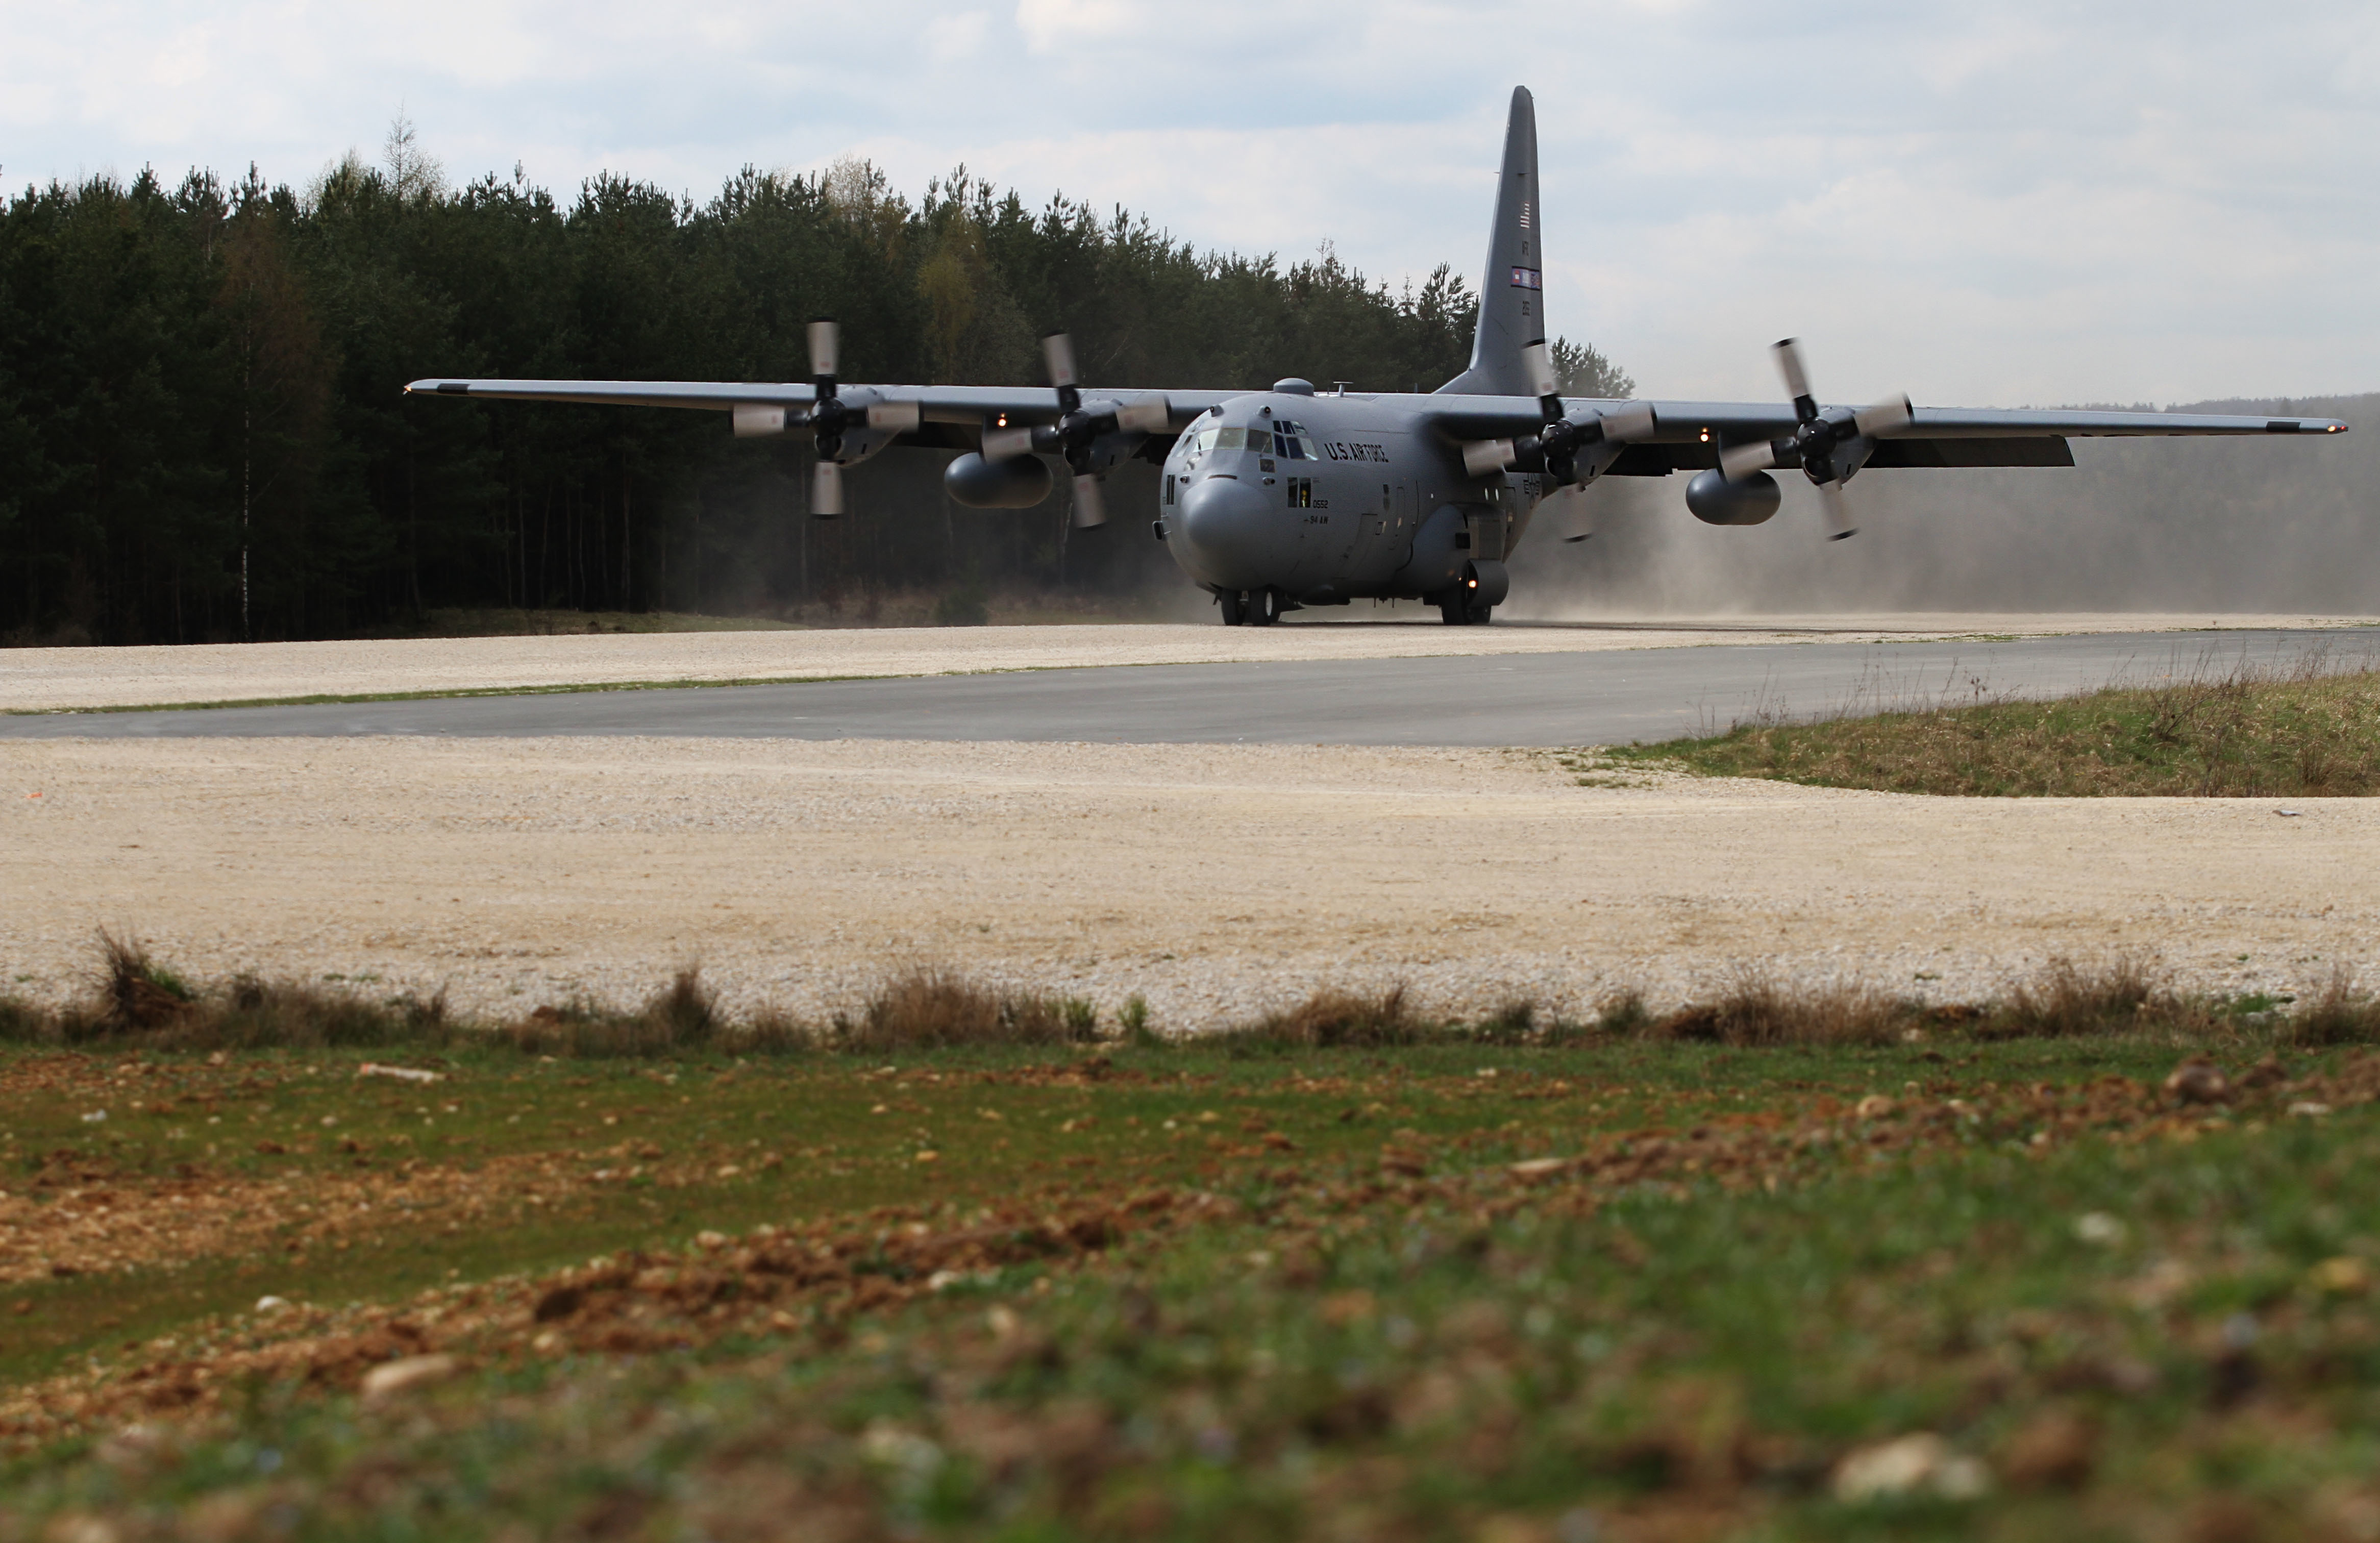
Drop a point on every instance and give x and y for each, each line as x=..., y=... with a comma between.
x=778, y=1279
x=93, y=677
x=1218, y=881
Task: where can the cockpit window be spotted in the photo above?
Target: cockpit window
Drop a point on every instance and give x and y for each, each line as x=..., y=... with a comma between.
x=1291, y=442
x=1284, y=438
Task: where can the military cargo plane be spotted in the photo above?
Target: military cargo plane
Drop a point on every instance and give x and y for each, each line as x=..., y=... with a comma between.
x=1275, y=500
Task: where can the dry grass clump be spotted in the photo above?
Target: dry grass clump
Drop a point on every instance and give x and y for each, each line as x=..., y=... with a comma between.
x=136, y=1002
x=929, y=1008
x=2307, y=729
x=681, y=1018
x=2340, y=1015
x=1754, y=1010
x=2067, y=1001
x=134, y=992
x=1332, y=1018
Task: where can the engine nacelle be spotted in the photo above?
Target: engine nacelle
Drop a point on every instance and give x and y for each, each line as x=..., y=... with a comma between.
x=1015, y=483
x=1717, y=501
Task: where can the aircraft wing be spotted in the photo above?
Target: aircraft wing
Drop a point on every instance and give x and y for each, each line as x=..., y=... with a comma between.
x=972, y=405
x=1688, y=435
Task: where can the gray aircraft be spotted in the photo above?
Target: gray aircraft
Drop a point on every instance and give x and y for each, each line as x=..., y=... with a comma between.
x=1275, y=500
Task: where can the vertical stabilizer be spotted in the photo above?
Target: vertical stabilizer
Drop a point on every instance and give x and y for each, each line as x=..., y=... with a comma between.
x=1511, y=290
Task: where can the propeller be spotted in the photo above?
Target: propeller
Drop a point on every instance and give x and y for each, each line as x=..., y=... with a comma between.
x=1555, y=447
x=1077, y=429
x=1828, y=445
x=828, y=418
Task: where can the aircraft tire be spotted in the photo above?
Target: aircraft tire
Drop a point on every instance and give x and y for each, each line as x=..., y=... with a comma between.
x=1264, y=607
x=1233, y=608
x=1461, y=612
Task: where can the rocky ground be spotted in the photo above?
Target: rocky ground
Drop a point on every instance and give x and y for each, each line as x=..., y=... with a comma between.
x=1216, y=881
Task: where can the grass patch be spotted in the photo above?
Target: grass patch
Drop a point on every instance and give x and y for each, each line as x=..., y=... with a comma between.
x=927, y=1008
x=2309, y=731
x=1332, y=1018
x=137, y=1002
x=1642, y=1288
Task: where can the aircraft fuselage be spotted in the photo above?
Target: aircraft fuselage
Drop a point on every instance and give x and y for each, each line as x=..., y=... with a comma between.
x=1327, y=499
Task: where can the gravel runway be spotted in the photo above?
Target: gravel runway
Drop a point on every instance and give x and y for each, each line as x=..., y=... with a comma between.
x=516, y=861
x=1216, y=880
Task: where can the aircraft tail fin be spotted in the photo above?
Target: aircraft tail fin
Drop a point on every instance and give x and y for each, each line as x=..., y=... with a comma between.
x=1511, y=290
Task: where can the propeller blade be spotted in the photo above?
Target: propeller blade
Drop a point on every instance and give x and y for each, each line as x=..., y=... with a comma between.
x=1485, y=457
x=1839, y=513
x=1151, y=415
x=899, y=416
x=1538, y=360
x=1572, y=540
x=1789, y=364
x=1007, y=444
x=1058, y=353
x=1889, y=416
x=1091, y=508
x=826, y=340
x=826, y=491
x=1737, y=462
x=1637, y=420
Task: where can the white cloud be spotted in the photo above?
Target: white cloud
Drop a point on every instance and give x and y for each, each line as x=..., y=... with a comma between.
x=2029, y=201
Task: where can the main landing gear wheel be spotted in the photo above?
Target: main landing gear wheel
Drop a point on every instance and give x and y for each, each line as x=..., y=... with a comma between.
x=1233, y=607
x=1463, y=612
x=1264, y=607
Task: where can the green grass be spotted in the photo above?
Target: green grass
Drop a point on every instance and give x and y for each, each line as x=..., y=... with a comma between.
x=2305, y=734
x=1377, y=1329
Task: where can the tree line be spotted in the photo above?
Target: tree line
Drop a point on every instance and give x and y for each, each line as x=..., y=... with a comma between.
x=202, y=435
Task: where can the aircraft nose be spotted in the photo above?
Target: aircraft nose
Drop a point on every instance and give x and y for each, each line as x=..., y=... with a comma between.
x=1224, y=531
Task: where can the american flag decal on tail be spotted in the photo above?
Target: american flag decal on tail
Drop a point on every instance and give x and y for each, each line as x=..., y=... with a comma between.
x=1527, y=278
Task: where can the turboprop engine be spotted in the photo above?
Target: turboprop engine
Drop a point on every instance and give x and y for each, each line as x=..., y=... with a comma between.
x=1016, y=482
x=1744, y=501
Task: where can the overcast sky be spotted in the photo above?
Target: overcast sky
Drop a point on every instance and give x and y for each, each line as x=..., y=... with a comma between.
x=1989, y=205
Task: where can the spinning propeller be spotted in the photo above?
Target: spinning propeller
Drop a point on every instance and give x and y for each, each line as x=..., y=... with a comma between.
x=1829, y=447
x=1555, y=448
x=829, y=417
x=1078, y=429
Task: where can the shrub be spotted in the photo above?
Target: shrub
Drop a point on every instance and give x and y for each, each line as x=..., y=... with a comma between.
x=2341, y=1015
x=1757, y=1011
x=2067, y=1000
x=927, y=1008
x=1332, y=1018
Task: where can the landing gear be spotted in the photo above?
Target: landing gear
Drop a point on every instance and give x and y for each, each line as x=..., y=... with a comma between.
x=1461, y=612
x=1250, y=607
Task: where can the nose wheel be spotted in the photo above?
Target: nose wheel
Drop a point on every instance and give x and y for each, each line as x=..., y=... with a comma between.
x=1233, y=606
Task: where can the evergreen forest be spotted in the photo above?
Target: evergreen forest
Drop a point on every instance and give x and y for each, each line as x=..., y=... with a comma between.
x=203, y=434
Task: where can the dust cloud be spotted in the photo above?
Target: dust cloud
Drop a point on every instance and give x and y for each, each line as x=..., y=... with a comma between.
x=2218, y=524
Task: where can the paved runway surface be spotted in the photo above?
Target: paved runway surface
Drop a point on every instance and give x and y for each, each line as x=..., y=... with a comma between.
x=1564, y=699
